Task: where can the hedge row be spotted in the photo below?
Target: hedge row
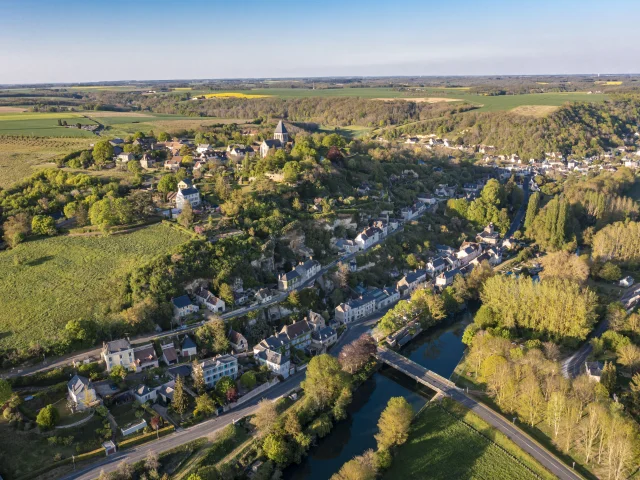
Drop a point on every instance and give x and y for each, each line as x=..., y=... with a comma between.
x=144, y=438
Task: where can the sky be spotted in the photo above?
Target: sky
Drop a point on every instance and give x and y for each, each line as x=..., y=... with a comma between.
x=47, y=41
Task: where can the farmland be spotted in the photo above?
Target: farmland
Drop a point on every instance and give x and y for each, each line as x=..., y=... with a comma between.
x=47, y=282
x=43, y=124
x=442, y=445
x=19, y=156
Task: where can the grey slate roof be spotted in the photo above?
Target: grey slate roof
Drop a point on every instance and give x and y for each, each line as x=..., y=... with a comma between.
x=118, y=345
x=78, y=383
x=281, y=128
x=182, y=301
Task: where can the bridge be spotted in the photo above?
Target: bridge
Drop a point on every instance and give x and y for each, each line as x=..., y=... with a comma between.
x=447, y=387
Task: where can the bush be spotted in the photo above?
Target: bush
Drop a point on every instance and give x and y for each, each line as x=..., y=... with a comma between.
x=610, y=272
x=48, y=417
x=248, y=380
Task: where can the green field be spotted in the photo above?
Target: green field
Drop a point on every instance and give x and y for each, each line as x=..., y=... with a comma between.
x=45, y=283
x=441, y=446
x=43, y=124
x=20, y=156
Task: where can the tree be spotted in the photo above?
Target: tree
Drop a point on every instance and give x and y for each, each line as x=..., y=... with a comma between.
x=118, y=373
x=151, y=462
x=357, y=353
x=167, y=184
x=276, y=449
x=16, y=229
x=265, y=417
x=197, y=375
x=608, y=377
x=532, y=210
x=164, y=137
x=394, y=423
x=225, y=292
x=363, y=467
x=186, y=215
x=43, y=225
x=618, y=242
x=224, y=385
x=47, y=417
x=102, y=153
x=204, y=406
x=566, y=266
x=610, y=272
x=180, y=401
x=212, y=336
x=248, y=380
x=5, y=391
x=629, y=356
x=343, y=275
x=324, y=381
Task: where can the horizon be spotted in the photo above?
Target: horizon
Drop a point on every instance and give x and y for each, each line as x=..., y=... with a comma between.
x=73, y=42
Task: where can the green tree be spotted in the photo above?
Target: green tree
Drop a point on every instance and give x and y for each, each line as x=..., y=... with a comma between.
x=186, y=215
x=224, y=385
x=197, y=375
x=180, y=401
x=47, y=417
x=610, y=272
x=394, y=423
x=204, y=406
x=167, y=184
x=248, y=380
x=118, y=373
x=16, y=229
x=43, y=225
x=102, y=153
x=164, y=137
x=265, y=417
x=609, y=377
x=324, y=381
x=5, y=391
x=225, y=292
x=532, y=210
x=276, y=449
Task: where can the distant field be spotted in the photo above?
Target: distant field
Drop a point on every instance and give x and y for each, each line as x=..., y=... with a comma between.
x=441, y=447
x=234, y=95
x=45, y=283
x=43, y=124
x=352, y=131
x=20, y=156
x=534, y=110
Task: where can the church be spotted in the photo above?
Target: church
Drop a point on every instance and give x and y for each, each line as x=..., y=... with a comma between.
x=280, y=139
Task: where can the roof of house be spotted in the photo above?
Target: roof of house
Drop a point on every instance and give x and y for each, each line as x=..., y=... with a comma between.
x=188, y=191
x=449, y=274
x=296, y=329
x=166, y=390
x=323, y=333
x=182, y=301
x=416, y=276
x=594, y=368
x=117, y=345
x=169, y=352
x=273, y=143
x=290, y=275
x=78, y=383
x=273, y=357
x=142, y=390
x=145, y=354
x=209, y=362
x=187, y=182
x=236, y=337
x=187, y=342
x=182, y=370
x=207, y=296
x=280, y=128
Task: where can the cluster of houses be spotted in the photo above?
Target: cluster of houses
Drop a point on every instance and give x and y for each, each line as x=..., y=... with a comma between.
x=299, y=275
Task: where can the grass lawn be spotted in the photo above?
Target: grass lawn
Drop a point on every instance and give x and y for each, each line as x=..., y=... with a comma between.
x=19, y=156
x=124, y=414
x=351, y=132
x=445, y=445
x=47, y=282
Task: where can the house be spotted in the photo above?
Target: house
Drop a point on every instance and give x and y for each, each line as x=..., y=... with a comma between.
x=316, y=321
x=385, y=296
x=169, y=354
x=209, y=300
x=165, y=392
x=126, y=157
x=191, y=195
x=277, y=362
x=347, y=246
x=411, y=281
x=308, y=269
x=203, y=148
x=414, y=211
x=237, y=341
x=323, y=338
x=144, y=394
x=368, y=237
x=118, y=352
x=133, y=428
x=145, y=357
x=188, y=347
x=446, y=278
x=185, y=183
x=594, y=370
x=81, y=393
x=468, y=251
x=290, y=280
x=626, y=281
x=183, y=306
x=355, y=309
x=488, y=235
x=297, y=335
x=213, y=369
x=264, y=295
x=173, y=164
x=435, y=266
x=147, y=162
x=631, y=298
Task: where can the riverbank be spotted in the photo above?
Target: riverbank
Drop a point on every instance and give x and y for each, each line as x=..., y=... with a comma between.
x=448, y=441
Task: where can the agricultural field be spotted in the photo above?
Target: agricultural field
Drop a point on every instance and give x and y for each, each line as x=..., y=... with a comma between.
x=445, y=442
x=43, y=124
x=47, y=282
x=20, y=156
x=351, y=131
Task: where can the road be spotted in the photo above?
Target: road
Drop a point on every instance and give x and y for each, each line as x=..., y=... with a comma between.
x=517, y=220
x=520, y=438
x=574, y=365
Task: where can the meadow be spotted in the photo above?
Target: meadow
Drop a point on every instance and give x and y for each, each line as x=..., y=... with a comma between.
x=47, y=282
x=43, y=124
x=19, y=156
x=452, y=442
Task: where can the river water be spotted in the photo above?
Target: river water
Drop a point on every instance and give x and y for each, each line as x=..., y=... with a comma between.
x=439, y=350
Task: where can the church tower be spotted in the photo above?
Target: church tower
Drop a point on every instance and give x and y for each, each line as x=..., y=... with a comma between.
x=281, y=133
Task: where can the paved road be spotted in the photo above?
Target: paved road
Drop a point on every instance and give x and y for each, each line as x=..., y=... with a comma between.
x=574, y=365
x=526, y=443
x=517, y=220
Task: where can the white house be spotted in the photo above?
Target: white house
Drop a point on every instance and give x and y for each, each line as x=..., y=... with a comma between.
x=488, y=235
x=626, y=281
x=118, y=352
x=237, y=341
x=191, y=195
x=183, y=306
x=188, y=347
x=145, y=394
x=594, y=370
x=411, y=281
x=209, y=300
x=366, y=238
x=213, y=369
x=446, y=278
x=277, y=362
x=203, y=147
x=169, y=354
x=355, y=309
x=81, y=393
x=323, y=338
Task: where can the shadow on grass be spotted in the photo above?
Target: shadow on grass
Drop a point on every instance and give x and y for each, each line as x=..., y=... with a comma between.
x=39, y=261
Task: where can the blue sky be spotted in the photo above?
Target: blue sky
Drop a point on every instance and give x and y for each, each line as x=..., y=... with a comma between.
x=77, y=41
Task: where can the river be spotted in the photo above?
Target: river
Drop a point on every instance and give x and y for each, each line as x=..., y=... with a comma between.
x=439, y=350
